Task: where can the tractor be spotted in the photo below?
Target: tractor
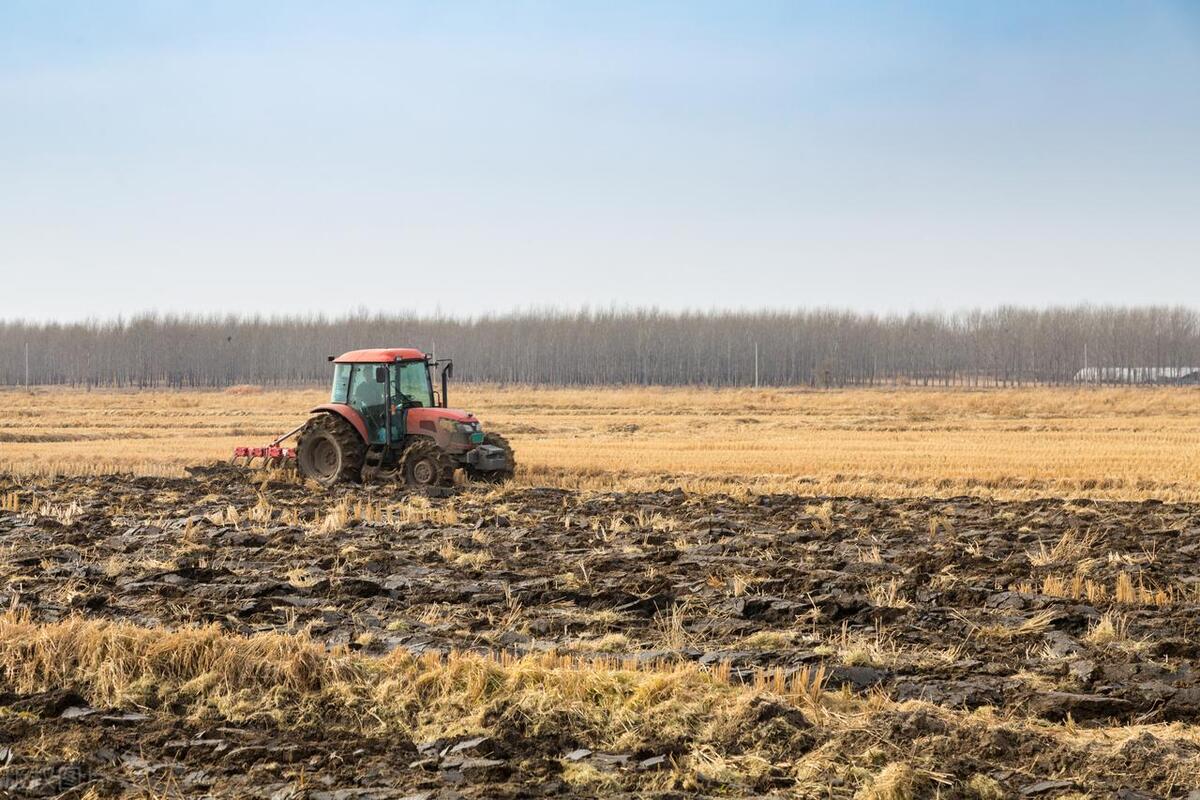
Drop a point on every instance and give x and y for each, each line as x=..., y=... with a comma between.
x=385, y=419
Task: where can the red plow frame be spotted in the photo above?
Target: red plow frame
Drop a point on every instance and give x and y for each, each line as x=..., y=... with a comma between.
x=272, y=455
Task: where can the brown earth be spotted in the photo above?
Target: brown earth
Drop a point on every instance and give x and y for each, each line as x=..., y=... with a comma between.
x=987, y=648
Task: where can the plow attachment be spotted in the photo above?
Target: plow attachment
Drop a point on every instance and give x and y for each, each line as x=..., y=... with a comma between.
x=269, y=456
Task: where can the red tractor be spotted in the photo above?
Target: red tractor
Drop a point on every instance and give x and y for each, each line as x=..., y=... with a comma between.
x=384, y=418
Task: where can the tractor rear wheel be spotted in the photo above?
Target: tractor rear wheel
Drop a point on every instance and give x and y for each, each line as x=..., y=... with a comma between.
x=495, y=475
x=425, y=465
x=329, y=450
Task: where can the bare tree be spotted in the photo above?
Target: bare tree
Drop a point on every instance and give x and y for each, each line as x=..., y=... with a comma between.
x=1002, y=346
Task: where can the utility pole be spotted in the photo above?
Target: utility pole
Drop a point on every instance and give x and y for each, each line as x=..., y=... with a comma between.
x=27, y=365
x=756, y=365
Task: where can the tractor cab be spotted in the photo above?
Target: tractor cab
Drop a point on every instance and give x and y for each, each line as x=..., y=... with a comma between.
x=382, y=393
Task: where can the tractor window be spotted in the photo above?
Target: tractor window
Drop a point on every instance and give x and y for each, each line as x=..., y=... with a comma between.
x=412, y=384
x=341, y=383
x=368, y=397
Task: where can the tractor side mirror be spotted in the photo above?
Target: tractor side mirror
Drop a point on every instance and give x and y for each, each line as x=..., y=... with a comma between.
x=381, y=374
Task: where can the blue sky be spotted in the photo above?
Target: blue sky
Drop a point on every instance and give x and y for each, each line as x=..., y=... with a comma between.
x=472, y=157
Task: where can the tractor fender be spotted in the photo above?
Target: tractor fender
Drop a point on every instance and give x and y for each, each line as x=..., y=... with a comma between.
x=347, y=412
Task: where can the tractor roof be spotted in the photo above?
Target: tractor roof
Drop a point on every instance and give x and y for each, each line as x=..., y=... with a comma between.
x=380, y=355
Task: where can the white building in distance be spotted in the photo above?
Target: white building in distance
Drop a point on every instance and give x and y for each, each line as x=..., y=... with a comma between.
x=1170, y=375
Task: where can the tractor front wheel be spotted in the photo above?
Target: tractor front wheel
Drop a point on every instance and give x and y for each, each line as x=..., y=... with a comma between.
x=329, y=450
x=426, y=466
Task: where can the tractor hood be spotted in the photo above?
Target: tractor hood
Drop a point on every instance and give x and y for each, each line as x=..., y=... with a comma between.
x=431, y=415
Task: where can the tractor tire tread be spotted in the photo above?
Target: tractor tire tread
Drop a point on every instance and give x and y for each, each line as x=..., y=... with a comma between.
x=351, y=444
x=420, y=449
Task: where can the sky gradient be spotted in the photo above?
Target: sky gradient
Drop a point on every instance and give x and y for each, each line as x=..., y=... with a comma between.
x=464, y=158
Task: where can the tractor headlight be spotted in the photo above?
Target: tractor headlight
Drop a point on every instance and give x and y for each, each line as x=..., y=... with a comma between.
x=471, y=431
x=463, y=431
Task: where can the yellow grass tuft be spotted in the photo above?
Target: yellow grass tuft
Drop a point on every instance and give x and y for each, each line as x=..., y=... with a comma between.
x=984, y=787
x=1112, y=631
x=896, y=781
x=1139, y=594
x=1037, y=624
x=887, y=594
x=769, y=640
x=1072, y=546
x=1125, y=590
x=609, y=643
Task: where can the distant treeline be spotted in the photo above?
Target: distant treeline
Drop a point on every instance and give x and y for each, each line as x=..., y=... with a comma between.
x=1005, y=346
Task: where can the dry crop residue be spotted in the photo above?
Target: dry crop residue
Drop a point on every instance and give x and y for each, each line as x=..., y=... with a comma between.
x=796, y=645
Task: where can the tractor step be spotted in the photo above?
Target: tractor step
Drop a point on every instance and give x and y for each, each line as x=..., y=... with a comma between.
x=373, y=463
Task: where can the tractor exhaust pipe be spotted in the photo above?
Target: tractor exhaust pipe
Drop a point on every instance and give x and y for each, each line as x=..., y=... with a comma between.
x=447, y=371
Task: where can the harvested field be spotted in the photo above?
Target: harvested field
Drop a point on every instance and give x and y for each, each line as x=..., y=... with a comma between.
x=1135, y=443
x=234, y=637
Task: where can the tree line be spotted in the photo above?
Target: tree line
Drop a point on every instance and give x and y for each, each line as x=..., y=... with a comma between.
x=1002, y=346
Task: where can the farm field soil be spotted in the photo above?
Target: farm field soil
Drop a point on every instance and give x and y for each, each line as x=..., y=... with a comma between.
x=1134, y=443
x=366, y=643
